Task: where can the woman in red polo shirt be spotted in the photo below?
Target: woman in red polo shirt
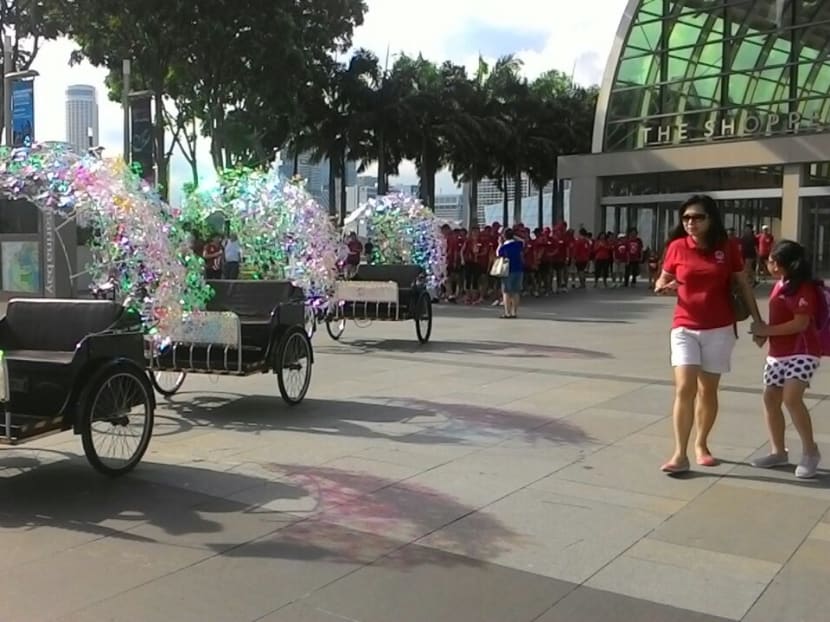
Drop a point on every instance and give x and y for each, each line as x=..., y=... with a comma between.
x=700, y=266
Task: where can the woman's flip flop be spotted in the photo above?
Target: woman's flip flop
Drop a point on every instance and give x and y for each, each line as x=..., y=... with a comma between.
x=673, y=468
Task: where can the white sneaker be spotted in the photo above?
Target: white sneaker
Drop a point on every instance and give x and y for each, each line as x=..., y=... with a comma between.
x=808, y=466
x=771, y=461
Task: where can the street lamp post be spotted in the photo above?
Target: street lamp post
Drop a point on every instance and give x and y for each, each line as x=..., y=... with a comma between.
x=125, y=104
x=8, y=80
x=8, y=60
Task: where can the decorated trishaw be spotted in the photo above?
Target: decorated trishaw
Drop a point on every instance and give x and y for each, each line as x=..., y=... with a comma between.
x=88, y=366
x=403, y=270
x=255, y=322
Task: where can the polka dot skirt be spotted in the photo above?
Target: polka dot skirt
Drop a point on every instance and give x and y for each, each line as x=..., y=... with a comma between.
x=799, y=367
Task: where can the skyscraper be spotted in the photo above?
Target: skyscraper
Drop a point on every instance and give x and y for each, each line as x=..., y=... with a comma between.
x=81, y=116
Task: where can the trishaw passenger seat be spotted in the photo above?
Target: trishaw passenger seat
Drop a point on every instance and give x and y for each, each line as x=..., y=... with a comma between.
x=55, y=325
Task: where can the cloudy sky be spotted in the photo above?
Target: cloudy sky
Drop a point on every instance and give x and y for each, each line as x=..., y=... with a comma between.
x=574, y=37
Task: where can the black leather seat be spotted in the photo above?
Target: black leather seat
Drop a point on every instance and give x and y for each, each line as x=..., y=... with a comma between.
x=252, y=299
x=49, y=331
x=254, y=302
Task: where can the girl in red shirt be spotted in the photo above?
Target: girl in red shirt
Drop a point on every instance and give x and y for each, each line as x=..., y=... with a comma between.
x=700, y=266
x=794, y=355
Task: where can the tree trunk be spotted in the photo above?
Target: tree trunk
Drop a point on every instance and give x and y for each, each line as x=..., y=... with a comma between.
x=541, y=214
x=296, y=161
x=505, y=208
x=381, y=162
x=332, y=188
x=423, y=190
x=162, y=181
x=517, y=198
x=472, y=217
x=554, y=201
x=343, y=189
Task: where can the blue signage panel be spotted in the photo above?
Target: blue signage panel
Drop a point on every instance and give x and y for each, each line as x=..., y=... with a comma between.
x=23, y=112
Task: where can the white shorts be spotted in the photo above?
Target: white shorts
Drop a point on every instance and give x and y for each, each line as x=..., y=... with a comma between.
x=797, y=367
x=709, y=349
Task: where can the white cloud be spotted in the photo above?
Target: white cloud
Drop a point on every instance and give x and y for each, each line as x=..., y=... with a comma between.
x=577, y=39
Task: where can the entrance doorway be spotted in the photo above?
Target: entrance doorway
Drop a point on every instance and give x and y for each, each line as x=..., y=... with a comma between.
x=815, y=231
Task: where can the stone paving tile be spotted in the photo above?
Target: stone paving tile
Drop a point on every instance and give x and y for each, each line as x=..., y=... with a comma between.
x=516, y=421
x=633, y=464
x=799, y=593
x=49, y=588
x=781, y=479
x=689, y=578
x=647, y=399
x=567, y=538
x=424, y=585
x=718, y=519
x=404, y=512
x=609, y=426
x=662, y=506
x=585, y=604
x=299, y=612
x=64, y=505
x=246, y=583
x=216, y=525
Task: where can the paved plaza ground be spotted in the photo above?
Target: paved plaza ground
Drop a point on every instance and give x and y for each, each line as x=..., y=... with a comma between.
x=506, y=472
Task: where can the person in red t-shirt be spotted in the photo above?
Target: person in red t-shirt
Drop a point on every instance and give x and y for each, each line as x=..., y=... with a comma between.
x=620, y=253
x=355, y=251
x=485, y=250
x=635, y=258
x=212, y=254
x=602, y=260
x=455, y=263
x=581, y=256
x=560, y=260
x=794, y=355
x=700, y=267
x=764, y=242
x=547, y=253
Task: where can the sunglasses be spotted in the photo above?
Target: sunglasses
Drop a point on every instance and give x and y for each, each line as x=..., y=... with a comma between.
x=693, y=217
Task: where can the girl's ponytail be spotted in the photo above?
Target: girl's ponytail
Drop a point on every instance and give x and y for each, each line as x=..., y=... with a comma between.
x=795, y=262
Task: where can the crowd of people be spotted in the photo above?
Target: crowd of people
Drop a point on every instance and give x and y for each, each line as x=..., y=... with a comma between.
x=552, y=260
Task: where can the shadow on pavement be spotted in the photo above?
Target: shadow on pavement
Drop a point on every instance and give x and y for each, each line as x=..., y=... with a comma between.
x=506, y=349
x=351, y=505
x=433, y=422
x=343, y=512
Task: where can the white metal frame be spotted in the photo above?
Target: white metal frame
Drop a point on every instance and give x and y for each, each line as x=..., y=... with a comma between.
x=182, y=339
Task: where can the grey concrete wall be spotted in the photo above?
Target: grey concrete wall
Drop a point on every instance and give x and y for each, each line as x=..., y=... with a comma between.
x=760, y=152
x=791, y=152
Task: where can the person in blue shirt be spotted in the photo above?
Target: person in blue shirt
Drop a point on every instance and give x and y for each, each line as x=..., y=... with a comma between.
x=511, y=285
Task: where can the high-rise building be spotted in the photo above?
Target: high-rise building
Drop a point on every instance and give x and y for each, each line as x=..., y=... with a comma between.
x=316, y=174
x=81, y=116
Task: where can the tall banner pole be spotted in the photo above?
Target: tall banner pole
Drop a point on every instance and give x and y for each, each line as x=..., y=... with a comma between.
x=141, y=128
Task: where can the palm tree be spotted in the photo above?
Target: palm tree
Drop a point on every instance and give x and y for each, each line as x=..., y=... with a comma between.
x=471, y=159
x=549, y=132
x=335, y=125
x=509, y=90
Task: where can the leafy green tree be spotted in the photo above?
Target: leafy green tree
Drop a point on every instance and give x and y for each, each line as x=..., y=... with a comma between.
x=240, y=68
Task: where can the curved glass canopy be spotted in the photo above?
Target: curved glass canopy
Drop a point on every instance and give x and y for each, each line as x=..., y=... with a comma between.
x=702, y=70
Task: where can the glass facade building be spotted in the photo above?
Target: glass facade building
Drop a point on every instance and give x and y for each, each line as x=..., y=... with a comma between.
x=726, y=97
x=697, y=70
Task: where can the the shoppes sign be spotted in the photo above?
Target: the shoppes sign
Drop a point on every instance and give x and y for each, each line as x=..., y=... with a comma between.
x=730, y=127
